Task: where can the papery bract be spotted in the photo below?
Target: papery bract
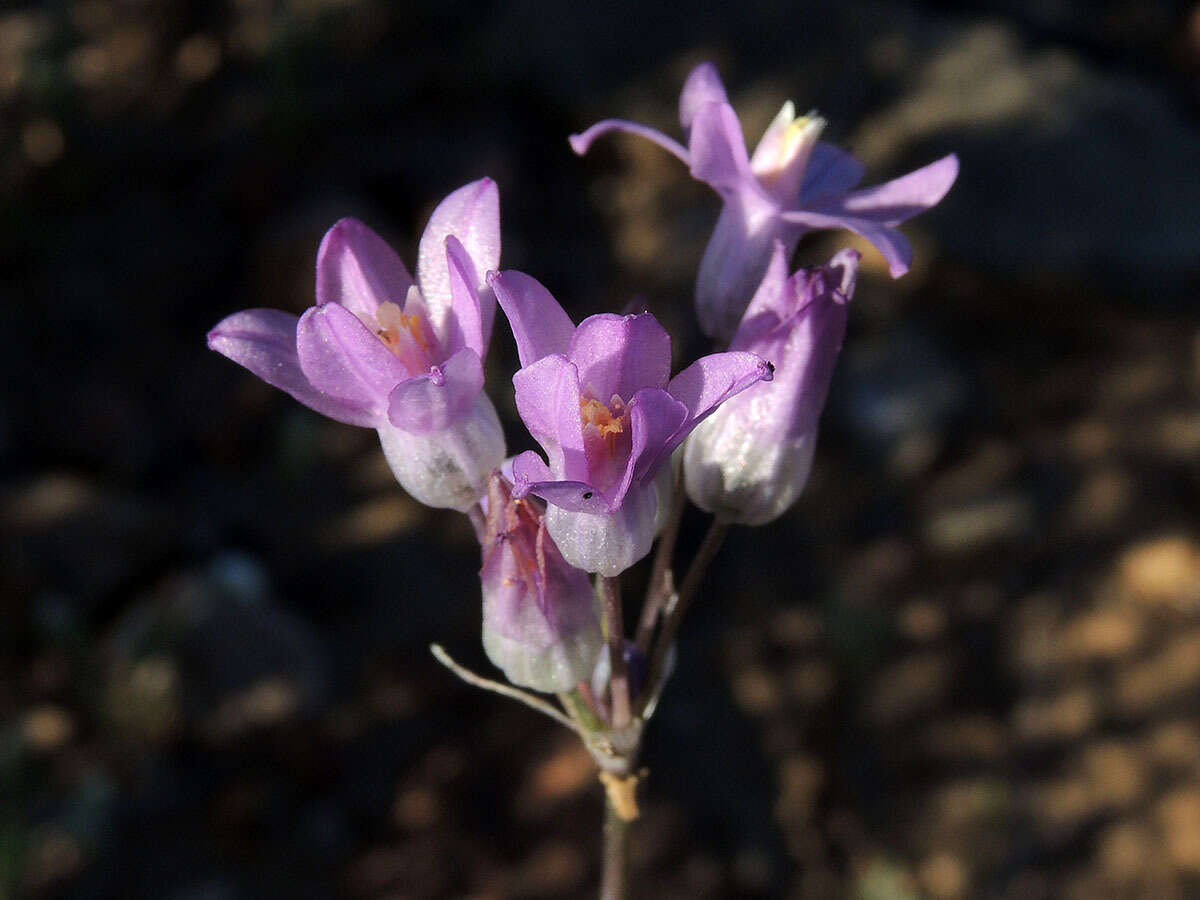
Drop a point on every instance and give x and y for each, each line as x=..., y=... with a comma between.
x=382, y=351
x=541, y=622
x=793, y=184
x=749, y=461
x=600, y=400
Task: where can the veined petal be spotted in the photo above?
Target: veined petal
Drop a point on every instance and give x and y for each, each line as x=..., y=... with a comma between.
x=703, y=85
x=831, y=170
x=264, y=341
x=582, y=142
x=532, y=476
x=472, y=214
x=620, y=355
x=718, y=150
x=901, y=198
x=358, y=270
x=654, y=418
x=713, y=379
x=538, y=323
x=891, y=243
x=435, y=400
x=464, y=326
x=342, y=358
x=548, y=399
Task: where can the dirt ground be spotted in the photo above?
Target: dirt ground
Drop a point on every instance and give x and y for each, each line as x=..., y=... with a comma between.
x=966, y=665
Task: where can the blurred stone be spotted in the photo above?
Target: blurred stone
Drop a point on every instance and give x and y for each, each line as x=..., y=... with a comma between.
x=801, y=780
x=1174, y=746
x=1102, y=501
x=973, y=526
x=265, y=704
x=1124, y=849
x=374, y=522
x=47, y=728
x=1178, y=815
x=568, y=771
x=1106, y=634
x=970, y=738
x=1162, y=571
x=756, y=691
x=1117, y=774
x=197, y=58
x=52, y=859
x=944, y=877
x=551, y=870
x=810, y=681
x=921, y=620
x=1171, y=674
x=144, y=701
x=908, y=688
x=1065, y=716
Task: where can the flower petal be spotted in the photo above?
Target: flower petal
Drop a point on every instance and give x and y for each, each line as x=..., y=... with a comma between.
x=718, y=150
x=654, y=418
x=582, y=142
x=435, y=400
x=831, y=170
x=547, y=394
x=472, y=214
x=901, y=198
x=357, y=269
x=343, y=359
x=532, y=476
x=703, y=85
x=538, y=323
x=620, y=355
x=771, y=304
x=465, y=323
x=713, y=379
x=891, y=243
x=264, y=341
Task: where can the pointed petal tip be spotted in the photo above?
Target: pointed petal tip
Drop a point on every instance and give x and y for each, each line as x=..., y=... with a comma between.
x=578, y=143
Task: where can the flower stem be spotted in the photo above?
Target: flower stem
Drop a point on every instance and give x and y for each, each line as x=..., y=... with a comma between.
x=675, y=612
x=662, y=584
x=619, y=681
x=503, y=690
x=614, y=875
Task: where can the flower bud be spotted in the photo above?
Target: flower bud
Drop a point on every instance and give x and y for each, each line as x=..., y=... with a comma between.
x=541, y=622
x=749, y=461
x=447, y=469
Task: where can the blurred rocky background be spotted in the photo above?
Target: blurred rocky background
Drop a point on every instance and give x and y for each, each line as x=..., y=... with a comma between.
x=967, y=665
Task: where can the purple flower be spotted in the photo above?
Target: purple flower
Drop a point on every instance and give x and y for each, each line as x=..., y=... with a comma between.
x=600, y=400
x=541, y=623
x=382, y=351
x=749, y=461
x=793, y=184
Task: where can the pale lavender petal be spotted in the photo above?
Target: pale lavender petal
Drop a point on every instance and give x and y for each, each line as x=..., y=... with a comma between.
x=620, y=355
x=703, y=85
x=891, y=243
x=356, y=268
x=713, y=379
x=264, y=341
x=735, y=259
x=654, y=418
x=538, y=323
x=901, y=198
x=437, y=399
x=472, y=214
x=343, y=359
x=464, y=326
x=547, y=394
x=532, y=476
x=582, y=142
x=771, y=302
x=831, y=170
x=718, y=150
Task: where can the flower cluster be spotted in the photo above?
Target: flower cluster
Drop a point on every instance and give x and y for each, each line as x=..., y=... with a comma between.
x=405, y=356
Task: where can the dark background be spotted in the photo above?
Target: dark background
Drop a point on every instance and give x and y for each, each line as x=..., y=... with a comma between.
x=966, y=665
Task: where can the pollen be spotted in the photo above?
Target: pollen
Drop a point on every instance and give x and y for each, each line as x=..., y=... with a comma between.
x=601, y=417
